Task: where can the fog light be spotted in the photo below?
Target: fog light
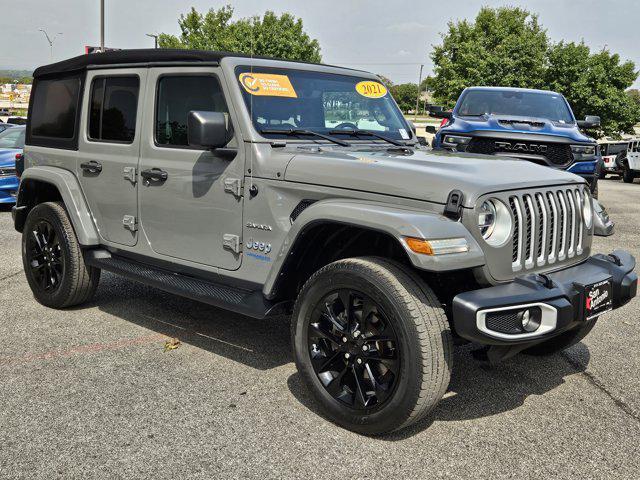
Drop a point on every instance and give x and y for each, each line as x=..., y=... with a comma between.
x=531, y=319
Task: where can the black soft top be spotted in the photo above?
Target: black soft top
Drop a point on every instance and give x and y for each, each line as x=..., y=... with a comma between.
x=146, y=56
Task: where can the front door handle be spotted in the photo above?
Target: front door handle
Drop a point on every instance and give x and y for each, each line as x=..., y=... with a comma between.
x=91, y=167
x=154, y=175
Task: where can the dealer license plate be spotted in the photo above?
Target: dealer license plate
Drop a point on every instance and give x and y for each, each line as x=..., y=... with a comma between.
x=598, y=299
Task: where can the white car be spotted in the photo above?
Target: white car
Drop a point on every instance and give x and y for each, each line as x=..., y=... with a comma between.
x=631, y=167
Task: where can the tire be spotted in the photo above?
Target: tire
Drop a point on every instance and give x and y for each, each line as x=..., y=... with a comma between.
x=422, y=350
x=627, y=174
x=562, y=341
x=53, y=261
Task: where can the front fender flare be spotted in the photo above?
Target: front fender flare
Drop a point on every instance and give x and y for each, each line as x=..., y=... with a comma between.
x=71, y=193
x=397, y=221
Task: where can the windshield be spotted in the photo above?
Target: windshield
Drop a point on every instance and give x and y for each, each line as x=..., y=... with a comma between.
x=522, y=104
x=320, y=102
x=12, y=138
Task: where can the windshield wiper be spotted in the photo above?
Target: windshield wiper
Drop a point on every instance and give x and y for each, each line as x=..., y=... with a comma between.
x=301, y=131
x=355, y=133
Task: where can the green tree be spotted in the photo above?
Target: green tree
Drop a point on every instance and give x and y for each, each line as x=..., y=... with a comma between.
x=504, y=46
x=405, y=95
x=594, y=84
x=272, y=35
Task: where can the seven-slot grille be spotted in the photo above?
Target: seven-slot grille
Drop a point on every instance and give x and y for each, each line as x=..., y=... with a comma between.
x=548, y=227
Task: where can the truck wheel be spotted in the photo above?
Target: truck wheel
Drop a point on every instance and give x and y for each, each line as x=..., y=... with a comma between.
x=562, y=341
x=627, y=174
x=52, y=259
x=372, y=343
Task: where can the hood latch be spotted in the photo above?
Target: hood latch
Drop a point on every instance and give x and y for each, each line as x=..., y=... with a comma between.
x=453, y=208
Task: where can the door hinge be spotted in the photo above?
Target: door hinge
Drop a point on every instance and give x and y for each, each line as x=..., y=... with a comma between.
x=129, y=173
x=231, y=242
x=129, y=222
x=233, y=185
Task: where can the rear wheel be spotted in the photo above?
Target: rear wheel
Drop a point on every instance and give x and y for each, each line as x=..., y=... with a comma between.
x=372, y=344
x=562, y=341
x=52, y=259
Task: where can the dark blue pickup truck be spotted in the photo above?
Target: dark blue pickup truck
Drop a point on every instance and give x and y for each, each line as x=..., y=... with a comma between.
x=535, y=125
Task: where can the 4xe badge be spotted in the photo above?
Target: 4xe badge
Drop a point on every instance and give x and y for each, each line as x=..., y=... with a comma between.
x=598, y=299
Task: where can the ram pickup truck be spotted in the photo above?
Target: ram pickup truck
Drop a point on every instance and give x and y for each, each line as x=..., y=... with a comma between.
x=270, y=187
x=534, y=125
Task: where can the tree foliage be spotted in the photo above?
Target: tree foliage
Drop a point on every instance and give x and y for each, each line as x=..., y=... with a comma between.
x=405, y=95
x=272, y=35
x=508, y=47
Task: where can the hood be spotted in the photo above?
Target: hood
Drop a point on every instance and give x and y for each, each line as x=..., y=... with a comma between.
x=513, y=124
x=422, y=175
x=8, y=157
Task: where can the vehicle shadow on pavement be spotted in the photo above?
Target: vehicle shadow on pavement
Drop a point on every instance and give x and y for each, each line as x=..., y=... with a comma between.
x=260, y=344
x=479, y=390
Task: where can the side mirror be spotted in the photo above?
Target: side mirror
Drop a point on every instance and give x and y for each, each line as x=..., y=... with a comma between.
x=431, y=129
x=207, y=129
x=590, y=121
x=442, y=114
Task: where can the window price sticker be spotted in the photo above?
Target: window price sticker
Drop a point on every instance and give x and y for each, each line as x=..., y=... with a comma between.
x=267, y=85
x=371, y=89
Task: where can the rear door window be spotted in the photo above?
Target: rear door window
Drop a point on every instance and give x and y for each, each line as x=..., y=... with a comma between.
x=113, y=109
x=54, y=112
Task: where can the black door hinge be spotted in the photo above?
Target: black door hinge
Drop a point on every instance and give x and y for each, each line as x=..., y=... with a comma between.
x=453, y=208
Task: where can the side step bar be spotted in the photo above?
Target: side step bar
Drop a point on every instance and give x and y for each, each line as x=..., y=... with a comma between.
x=245, y=302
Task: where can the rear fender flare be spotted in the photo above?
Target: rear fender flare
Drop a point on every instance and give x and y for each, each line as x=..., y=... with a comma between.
x=72, y=196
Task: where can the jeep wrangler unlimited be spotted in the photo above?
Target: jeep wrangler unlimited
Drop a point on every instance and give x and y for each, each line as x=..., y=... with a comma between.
x=273, y=187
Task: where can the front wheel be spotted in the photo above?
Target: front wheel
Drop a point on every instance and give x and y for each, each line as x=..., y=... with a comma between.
x=372, y=343
x=52, y=259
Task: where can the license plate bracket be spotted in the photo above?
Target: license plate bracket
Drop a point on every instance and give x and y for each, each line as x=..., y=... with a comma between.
x=598, y=298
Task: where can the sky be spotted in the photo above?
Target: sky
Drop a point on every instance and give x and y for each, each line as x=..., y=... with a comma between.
x=391, y=38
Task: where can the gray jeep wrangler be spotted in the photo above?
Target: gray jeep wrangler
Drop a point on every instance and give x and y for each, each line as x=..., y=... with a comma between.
x=269, y=187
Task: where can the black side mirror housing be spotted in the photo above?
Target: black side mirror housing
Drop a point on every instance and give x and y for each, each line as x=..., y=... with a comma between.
x=431, y=129
x=442, y=114
x=207, y=130
x=590, y=121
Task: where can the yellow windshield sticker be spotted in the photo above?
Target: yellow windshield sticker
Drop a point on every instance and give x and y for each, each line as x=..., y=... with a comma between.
x=371, y=89
x=268, y=85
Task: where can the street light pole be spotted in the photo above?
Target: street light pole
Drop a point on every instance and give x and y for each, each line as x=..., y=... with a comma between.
x=102, y=25
x=50, y=41
x=415, y=116
x=155, y=38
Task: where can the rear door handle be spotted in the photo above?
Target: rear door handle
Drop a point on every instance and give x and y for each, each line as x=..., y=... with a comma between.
x=91, y=167
x=154, y=175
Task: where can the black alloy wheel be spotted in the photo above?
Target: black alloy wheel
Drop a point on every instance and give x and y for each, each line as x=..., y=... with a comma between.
x=45, y=256
x=53, y=260
x=354, y=349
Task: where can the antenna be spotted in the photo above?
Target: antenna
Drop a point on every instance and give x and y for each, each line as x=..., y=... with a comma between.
x=251, y=115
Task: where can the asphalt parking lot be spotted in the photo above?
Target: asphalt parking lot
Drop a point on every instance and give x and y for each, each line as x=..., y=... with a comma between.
x=91, y=392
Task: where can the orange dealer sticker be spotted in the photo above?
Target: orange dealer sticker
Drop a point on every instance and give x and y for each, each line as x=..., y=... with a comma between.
x=268, y=85
x=371, y=89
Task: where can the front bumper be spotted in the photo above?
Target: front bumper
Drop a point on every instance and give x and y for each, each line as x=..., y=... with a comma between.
x=562, y=291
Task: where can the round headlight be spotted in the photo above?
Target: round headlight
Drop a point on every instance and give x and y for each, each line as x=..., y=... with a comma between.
x=487, y=219
x=494, y=222
x=587, y=210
